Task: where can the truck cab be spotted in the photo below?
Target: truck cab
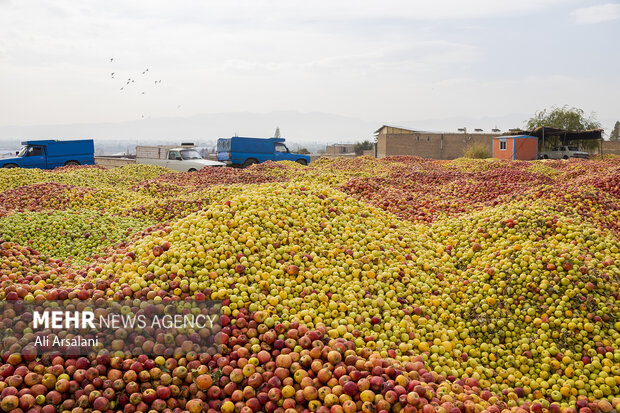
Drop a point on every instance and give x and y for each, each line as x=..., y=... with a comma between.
x=50, y=154
x=243, y=152
x=182, y=159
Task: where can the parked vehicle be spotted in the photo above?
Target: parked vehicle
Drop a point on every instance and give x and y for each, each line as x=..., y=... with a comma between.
x=564, y=152
x=49, y=154
x=183, y=158
x=244, y=152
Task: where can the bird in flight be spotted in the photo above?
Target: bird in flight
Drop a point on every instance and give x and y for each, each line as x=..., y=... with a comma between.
x=111, y=59
x=122, y=88
x=143, y=93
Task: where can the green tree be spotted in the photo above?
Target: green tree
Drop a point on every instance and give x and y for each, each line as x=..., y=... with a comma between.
x=477, y=151
x=615, y=133
x=360, y=147
x=303, y=151
x=563, y=117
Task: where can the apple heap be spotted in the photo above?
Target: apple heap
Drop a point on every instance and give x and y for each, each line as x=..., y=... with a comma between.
x=377, y=295
x=64, y=234
x=42, y=196
x=281, y=368
x=96, y=176
x=492, y=285
x=19, y=177
x=25, y=274
x=437, y=190
x=208, y=177
x=538, y=290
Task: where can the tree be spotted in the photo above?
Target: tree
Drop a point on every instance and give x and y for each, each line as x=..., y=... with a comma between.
x=615, y=133
x=303, y=151
x=360, y=147
x=563, y=118
x=477, y=151
x=277, y=132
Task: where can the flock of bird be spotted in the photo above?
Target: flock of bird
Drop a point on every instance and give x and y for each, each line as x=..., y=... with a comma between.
x=131, y=81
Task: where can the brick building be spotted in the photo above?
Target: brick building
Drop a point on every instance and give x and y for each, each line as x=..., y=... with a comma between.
x=611, y=147
x=392, y=140
x=340, y=149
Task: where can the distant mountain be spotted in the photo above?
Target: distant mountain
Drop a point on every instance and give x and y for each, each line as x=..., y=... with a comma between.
x=295, y=126
x=312, y=129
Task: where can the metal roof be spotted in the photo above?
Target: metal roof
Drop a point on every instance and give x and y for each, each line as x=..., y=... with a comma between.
x=397, y=127
x=429, y=131
x=39, y=142
x=564, y=134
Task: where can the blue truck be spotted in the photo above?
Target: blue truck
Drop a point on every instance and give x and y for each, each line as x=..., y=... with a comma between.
x=243, y=152
x=49, y=154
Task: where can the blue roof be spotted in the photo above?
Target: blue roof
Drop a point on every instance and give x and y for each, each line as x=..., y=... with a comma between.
x=264, y=139
x=48, y=141
x=39, y=142
x=516, y=136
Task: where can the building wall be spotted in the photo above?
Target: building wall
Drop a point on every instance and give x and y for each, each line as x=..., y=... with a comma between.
x=338, y=149
x=502, y=153
x=526, y=149
x=611, y=147
x=395, y=141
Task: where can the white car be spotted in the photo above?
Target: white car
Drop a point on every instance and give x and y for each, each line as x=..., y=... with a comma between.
x=179, y=159
x=564, y=152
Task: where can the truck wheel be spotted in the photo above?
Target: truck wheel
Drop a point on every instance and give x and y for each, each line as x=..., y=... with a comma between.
x=10, y=165
x=545, y=156
x=249, y=162
x=564, y=157
x=71, y=163
x=192, y=170
x=301, y=161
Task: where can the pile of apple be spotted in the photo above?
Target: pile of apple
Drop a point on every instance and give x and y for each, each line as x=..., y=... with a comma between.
x=41, y=197
x=208, y=177
x=348, y=285
x=68, y=235
x=260, y=368
x=26, y=273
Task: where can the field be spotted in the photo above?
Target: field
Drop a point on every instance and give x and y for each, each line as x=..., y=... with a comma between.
x=348, y=285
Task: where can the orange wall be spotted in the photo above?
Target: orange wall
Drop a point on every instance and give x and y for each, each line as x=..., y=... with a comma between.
x=526, y=149
x=502, y=154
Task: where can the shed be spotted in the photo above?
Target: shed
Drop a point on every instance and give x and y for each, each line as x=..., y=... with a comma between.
x=549, y=137
x=521, y=147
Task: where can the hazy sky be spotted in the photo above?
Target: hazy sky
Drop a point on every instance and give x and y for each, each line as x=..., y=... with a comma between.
x=376, y=60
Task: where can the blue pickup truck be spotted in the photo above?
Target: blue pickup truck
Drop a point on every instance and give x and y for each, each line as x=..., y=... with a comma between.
x=49, y=154
x=244, y=152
